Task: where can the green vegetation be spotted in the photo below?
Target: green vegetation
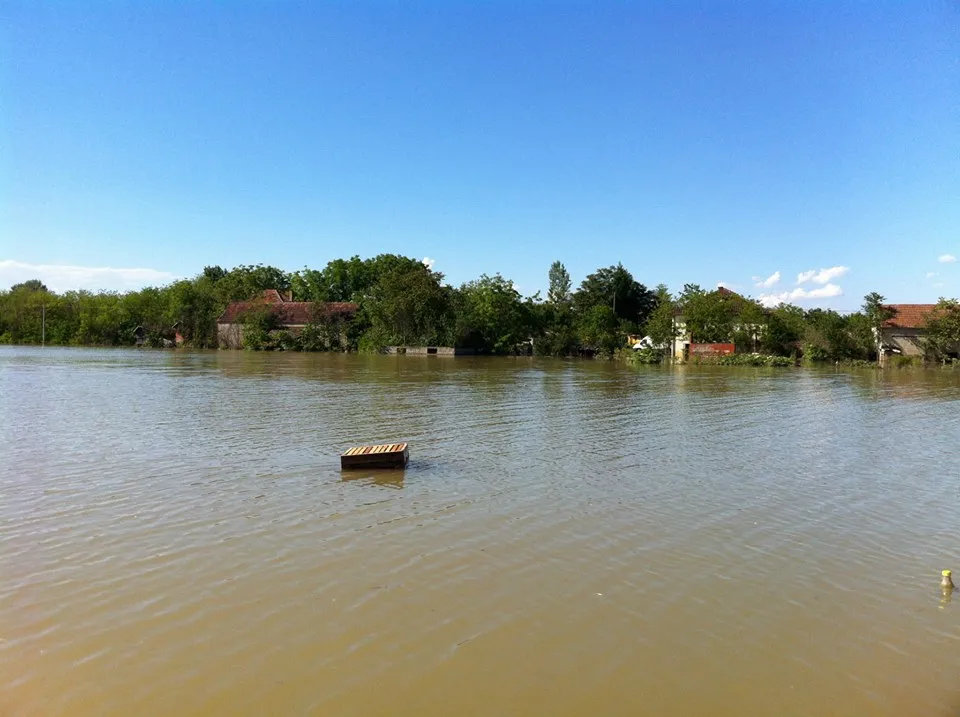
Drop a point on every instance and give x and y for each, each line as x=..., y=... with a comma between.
x=755, y=360
x=943, y=332
x=400, y=301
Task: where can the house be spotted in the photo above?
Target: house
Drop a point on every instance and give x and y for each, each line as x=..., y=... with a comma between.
x=140, y=336
x=903, y=333
x=683, y=344
x=288, y=315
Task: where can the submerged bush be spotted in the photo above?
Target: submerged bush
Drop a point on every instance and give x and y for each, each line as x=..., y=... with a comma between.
x=643, y=357
x=897, y=361
x=754, y=360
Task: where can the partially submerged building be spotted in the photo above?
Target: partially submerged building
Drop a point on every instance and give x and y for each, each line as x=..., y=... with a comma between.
x=286, y=314
x=903, y=333
x=430, y=350
x=684, y=347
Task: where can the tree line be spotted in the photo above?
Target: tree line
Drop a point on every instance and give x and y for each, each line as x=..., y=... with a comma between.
x=401, y=301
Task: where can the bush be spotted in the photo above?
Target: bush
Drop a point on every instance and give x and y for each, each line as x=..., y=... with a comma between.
x=285, y=340
x=642, y=357
x=754, y=360
x=897, y=361
x=814, y=353
x=371, y=343
x=312, y=339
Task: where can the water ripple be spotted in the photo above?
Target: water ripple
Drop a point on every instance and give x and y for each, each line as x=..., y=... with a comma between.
x=176, y=537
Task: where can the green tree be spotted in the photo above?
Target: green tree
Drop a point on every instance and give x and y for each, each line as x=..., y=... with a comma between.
x=249, y=281
x=559, y=286
x=491, y=315
x=661, y=327
x=214, y=273
x=827, y=337
x=407, y=306
x=709, y=316
x=749, y=323
x=784, y=331
x=876, y=313
x=942, y=340
x=600, y=329
x=615, y=287
x=193, y=307
x=30, y=285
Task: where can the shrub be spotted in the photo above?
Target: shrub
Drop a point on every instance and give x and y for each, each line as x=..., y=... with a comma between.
x=754, y=360
x=285, y=340
x=643, y=356
x=897, y=361
x=814, y=353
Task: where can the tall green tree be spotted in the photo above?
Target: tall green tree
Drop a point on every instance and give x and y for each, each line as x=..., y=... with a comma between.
x=492, y=315
x=709, y=316
x=408, y=306
x=559, y=284
x=661, y=327
x=876, y=313
x=615, y=287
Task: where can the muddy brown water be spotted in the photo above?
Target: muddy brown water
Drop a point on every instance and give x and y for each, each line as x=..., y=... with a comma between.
x=570, y=538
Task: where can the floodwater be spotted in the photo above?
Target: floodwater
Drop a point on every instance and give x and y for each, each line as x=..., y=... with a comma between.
x=570, y=538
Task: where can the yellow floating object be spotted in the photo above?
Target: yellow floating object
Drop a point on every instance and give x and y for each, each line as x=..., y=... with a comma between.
x=946, y=573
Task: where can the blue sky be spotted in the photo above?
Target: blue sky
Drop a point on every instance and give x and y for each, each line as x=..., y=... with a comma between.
x=695, y=142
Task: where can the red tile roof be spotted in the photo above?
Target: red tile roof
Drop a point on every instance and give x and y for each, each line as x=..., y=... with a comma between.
x=287, y=312
x=909, y=316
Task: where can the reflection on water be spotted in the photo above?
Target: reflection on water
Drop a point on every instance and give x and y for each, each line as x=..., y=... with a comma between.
x=386, y=478
x=568, y=538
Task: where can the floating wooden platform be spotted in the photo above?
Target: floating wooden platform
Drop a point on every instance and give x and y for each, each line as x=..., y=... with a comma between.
x=388, y=455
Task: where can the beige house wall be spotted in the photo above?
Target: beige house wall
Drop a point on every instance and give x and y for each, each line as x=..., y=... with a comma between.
x=230, y=336
x=907, y=340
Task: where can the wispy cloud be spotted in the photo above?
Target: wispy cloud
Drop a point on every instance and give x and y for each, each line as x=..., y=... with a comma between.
x=428, y=262
x=769, y=282
x=822, y=276
x=800, y=294
x=931, y=274
x=946, y=258
x=63, y=277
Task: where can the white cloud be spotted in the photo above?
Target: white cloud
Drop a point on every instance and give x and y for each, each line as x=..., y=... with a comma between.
x=428, y=262
x=824, y=292
x=64, y=277
x=801, y=294
x=770, y=281
x=946, y=258
x=931, y=274
x=823, y=276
